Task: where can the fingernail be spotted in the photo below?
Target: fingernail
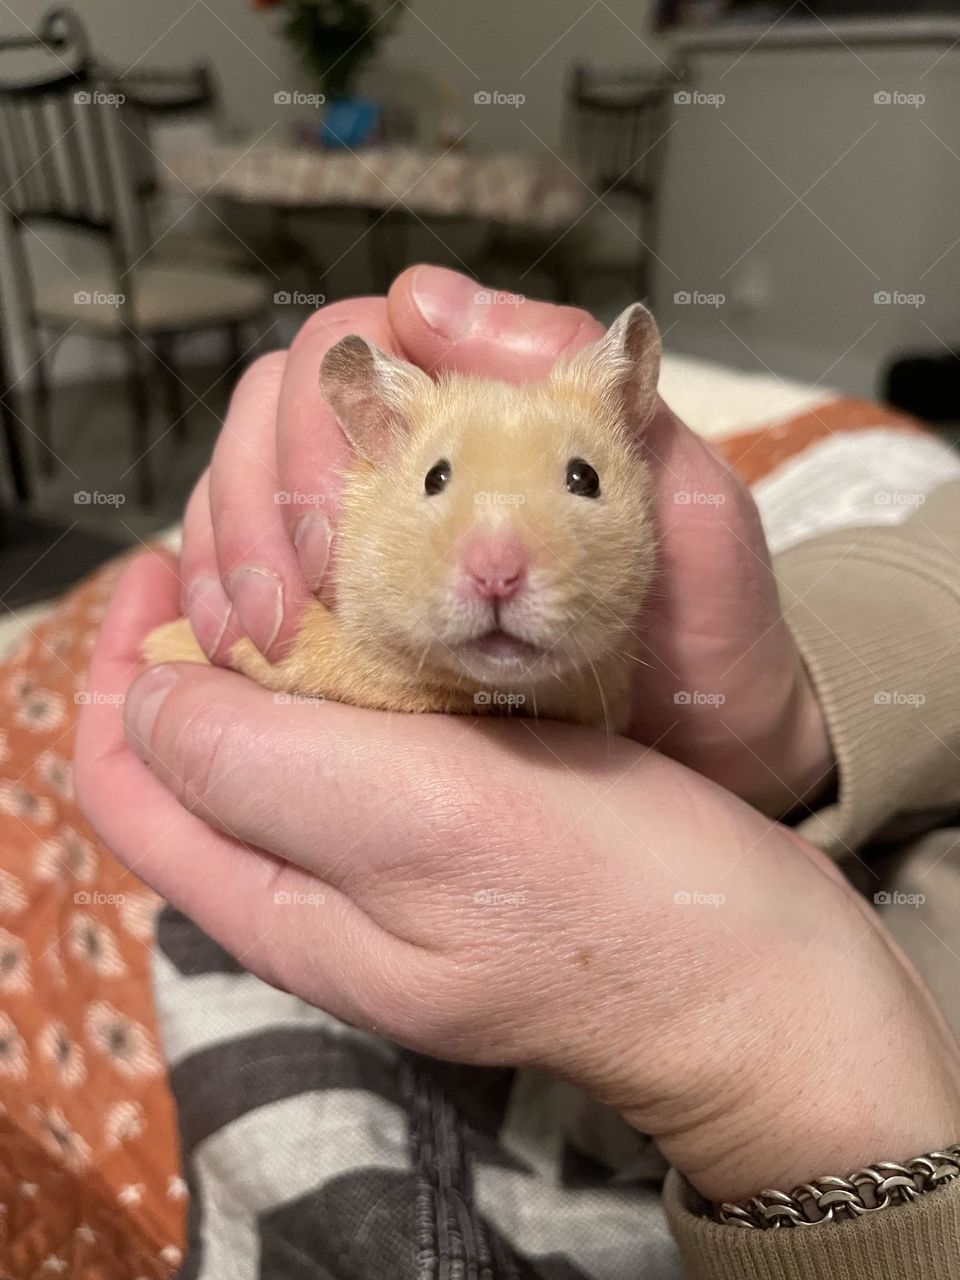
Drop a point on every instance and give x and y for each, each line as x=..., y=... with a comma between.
x=208, y=610
x=257, y=596
x=312, y=541
x=446, y=299
x=142, y=706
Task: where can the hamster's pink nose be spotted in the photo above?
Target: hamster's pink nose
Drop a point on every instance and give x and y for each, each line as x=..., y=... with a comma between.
x=494, y=564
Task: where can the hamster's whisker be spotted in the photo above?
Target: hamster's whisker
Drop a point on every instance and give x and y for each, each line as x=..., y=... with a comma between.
x=622, y=653
x=599, y=684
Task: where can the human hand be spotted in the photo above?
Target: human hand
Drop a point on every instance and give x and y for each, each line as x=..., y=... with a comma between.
x=719, y=685
x=507, y=893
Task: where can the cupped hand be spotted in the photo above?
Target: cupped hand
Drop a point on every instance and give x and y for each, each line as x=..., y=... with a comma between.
x=526, y=894
x=720, y=684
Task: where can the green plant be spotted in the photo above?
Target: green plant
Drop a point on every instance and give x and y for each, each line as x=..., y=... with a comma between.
x=335, y=38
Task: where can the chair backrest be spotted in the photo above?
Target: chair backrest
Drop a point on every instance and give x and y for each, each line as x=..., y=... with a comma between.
x=615, y=121
x=154, y=95
x=55, y=148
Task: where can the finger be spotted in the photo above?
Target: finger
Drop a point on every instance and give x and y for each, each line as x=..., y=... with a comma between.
x=184, y=859
x=203, y=598
x=257, y=565
x=312, y=452
x=445, y=321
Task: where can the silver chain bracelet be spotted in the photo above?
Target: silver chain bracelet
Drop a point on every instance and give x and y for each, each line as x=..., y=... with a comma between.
x=867, y=1190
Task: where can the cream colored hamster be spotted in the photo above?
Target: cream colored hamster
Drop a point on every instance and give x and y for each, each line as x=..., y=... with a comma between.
x=495, y=544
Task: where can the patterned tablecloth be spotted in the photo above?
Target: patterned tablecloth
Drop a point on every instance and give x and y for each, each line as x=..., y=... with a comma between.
x=519, y=189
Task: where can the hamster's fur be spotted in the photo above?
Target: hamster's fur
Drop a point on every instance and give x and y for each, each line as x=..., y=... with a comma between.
x=406, y=634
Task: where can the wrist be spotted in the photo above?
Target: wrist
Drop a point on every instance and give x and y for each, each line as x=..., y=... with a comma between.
x=825, y=1099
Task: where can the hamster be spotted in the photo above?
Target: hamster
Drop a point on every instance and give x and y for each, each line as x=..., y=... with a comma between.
x=496, y=541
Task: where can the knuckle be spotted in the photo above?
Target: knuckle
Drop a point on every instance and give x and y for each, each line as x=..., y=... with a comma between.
x=193, y=751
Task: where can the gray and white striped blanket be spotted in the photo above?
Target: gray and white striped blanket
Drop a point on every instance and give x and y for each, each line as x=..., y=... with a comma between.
x=314, y=1151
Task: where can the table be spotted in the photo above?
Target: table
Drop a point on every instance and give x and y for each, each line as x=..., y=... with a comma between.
x=391, y=186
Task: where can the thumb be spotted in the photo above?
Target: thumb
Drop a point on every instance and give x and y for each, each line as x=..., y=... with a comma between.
x=448, y=322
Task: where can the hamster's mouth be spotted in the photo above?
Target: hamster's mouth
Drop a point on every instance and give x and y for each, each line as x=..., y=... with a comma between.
x=502, y=646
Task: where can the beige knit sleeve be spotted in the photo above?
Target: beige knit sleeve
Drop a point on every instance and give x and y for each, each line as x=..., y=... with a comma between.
x=876, y=613
x=917, y=1241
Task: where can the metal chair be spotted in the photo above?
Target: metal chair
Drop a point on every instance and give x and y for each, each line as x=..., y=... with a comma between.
x=616, y=124
x=65, y=162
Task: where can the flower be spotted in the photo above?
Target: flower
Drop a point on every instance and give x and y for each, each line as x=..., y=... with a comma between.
x=14, y=964
x=13, y=1052
x=125, y=1043
x=59, y=1139
x=93, y=942
x=56, y=1047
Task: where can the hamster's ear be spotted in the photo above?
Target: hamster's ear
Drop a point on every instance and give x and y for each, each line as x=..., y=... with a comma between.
x=371, y=394
x=623, y=365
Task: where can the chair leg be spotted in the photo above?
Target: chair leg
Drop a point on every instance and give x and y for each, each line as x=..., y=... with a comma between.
x=42, y=415
x=171, y=387
x=15, y=454
x=236, y=351
x=140, y=403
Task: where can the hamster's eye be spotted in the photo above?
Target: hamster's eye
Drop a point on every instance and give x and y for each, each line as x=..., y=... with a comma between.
x=582, y=480
x=437, y=478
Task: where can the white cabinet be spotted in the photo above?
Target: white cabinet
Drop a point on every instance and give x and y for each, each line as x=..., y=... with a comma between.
x=811, y=200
